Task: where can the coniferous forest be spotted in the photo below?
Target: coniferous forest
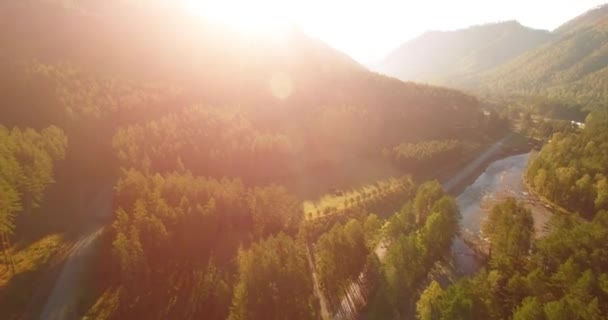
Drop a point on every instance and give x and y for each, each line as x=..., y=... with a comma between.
x=155, y=164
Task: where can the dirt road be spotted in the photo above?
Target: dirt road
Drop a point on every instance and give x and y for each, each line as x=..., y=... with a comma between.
x=63, y=301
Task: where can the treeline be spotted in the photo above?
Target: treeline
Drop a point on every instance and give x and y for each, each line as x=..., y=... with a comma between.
x=66, y=94
x=561, y=276
x=87, y=106
x=235, y=142
x=544, y=129
x=571, y=169
x=425, y=153
x=418, y=237
x=27, y=163
x=208, y=141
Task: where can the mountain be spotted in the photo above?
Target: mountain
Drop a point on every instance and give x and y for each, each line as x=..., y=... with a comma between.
x=112, y=68
x=209, y=136
x=588, y=19
x=208, y=64
x=444, y=57
x=572, y=67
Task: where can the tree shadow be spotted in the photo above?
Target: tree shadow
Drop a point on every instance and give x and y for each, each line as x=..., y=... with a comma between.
x=15, y=294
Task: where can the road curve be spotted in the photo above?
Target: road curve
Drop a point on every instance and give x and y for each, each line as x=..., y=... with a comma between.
x=63, y=301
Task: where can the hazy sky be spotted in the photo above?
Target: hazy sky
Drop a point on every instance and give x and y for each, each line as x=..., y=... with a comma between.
x=368, y=30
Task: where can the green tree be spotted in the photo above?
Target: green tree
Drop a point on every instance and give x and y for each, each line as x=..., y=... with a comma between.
x=273, y=282
x=427, y=307
x=273, y=209
x=426, y=195
x=530, y=309
x=601, y=187
x=372, y=226
x=558, y=310
x=457, y=303
x=440, y=227
x=510, y=228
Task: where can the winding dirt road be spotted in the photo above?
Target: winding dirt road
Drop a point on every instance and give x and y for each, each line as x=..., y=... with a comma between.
x=63, y=301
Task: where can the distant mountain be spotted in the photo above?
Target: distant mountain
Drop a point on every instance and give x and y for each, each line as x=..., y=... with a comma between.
x=445, y=57
x=575, y=66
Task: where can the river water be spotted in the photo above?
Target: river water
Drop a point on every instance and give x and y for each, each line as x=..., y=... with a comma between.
x=500, y=180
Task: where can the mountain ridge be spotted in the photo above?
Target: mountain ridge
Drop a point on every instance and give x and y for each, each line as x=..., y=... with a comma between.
x=572, y=67
x=454, y=54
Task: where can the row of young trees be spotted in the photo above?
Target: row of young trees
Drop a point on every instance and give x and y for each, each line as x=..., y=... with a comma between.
x=419, y=236
x=27, y=162
x=560, y=276
x=381, y=196
x=572, y=169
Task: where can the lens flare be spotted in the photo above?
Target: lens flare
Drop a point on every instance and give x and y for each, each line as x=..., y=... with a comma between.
x=281, y=85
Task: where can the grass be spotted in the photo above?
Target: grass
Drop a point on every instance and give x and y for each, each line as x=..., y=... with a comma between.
x=32, y=257
x=105, y=306
x=331, y=204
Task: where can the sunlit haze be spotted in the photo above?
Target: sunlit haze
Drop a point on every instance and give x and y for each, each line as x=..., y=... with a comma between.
x=368, y=30
x=303, y=159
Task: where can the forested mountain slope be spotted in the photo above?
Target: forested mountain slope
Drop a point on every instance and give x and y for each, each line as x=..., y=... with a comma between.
x=507, y=59
x=122, y=67
x=585, y=20
x=571, y=169
x=573, y=67
x=446, y=57
x=206, y=125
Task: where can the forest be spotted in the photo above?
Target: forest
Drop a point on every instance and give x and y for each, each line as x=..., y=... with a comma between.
x=559, y=276
x=425, y=154
x=571, y=169
x=203, y=212
x=557, y=273
x=214, y=175
x=27, y=159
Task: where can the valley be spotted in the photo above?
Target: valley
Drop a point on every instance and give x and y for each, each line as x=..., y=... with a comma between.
x=159, y=160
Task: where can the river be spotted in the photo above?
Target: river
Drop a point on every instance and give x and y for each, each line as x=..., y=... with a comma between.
x=501, y=179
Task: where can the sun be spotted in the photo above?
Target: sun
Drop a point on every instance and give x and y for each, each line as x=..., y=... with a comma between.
x=261, y=16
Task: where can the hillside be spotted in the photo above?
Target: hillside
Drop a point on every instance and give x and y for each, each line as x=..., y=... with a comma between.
x=211, y=139
x=585, y=20
x=92, y=71
x=203, y=64
x=445, y=57
x=574, y=67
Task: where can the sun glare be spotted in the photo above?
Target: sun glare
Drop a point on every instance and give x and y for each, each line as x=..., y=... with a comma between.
x=266, y=17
